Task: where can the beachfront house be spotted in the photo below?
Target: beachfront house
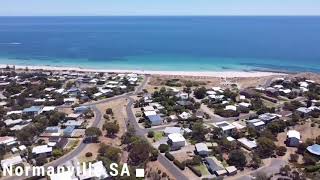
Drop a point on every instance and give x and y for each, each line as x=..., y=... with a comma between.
x=202, y=149
x=176, y=141
x=293, y=138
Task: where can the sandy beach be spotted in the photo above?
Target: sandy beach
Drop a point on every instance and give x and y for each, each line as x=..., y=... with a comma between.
x=227, y=74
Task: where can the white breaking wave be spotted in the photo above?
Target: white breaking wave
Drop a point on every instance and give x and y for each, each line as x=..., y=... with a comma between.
x=12, y=43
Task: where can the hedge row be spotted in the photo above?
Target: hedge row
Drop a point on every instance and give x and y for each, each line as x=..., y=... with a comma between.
x=180, y=165
x=312, y=168
x=169, y=156
x=195, y=171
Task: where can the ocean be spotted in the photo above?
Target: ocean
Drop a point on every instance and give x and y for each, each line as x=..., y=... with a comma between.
x=201, y=43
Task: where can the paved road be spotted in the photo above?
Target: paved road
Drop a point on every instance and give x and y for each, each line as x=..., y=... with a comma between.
x=141, y=132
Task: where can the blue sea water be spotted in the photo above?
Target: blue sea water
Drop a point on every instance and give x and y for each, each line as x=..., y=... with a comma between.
x=163, y=43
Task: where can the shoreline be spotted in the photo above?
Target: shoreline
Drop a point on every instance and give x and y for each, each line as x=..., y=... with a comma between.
x=227, y=74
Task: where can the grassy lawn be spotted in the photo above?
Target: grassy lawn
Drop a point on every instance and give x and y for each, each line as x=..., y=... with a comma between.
x=158, y=135
x=203, y=169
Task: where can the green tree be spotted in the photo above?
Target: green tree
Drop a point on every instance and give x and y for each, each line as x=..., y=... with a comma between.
x=200, y=93
x=139, y=152
x=109, y=111
x=109, y=152
x=111, y=128
x=164, y=148
x=93, y=132
x=237, y=158
x=57, y=153
x=281, y=150
x=198, y=132
x=265, y=147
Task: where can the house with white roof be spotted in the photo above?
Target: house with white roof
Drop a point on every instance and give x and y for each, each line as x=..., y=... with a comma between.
x=293, y=138
x=202, y=149
x=48, y=108
x=285, y=91
x=69, y=100
x=7, y=140
x=97, y=95
x=148, y=108
x=268, y=117
x=242, y=97
x=303, y=111
x=231, y=108
x=43, y=151
x=183, y=96
x=14, y=112
x=150, y=113
x=185, y=115
x=211, y=93
x=176, y=141
x=11, y=161
x=171, y=130
x=239, y=126
x=248, y=144
x=244, y=105
x=303, y=84
x=10, y=122
x=226, y=127
x=256, y=123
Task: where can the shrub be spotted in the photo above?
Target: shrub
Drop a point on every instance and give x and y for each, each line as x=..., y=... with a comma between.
x=105, y=116
x=195, y=171
x=89, y=154
x=294, y=157
x=281, y=151
x=154, y=154
x=109, y=111
x=163, y=148
x=141, y=120
x=169, y=156
x=150, y=134
x=313, y=168
x=180, y=165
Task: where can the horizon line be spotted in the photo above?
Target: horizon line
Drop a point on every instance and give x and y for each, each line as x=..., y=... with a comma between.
x=240, y=15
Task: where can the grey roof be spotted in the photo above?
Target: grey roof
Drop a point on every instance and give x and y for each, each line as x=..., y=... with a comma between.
x=32, y=109
x=212, y=165
x=314, y=149
x=154, y=118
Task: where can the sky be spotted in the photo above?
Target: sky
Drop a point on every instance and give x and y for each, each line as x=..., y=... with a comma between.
x=157, y=7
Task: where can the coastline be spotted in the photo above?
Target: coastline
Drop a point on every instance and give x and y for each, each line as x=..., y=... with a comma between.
x=226, y=74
